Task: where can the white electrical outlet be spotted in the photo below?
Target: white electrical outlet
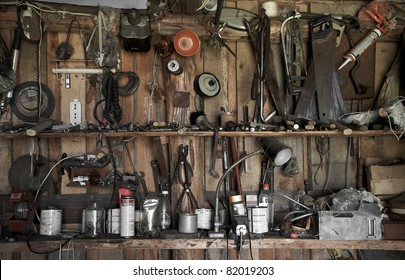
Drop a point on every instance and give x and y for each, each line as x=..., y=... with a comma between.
x=75, y=112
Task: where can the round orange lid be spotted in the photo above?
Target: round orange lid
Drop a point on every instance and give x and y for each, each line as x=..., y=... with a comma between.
x=186, y=43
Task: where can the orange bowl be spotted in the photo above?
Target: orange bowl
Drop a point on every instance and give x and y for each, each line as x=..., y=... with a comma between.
x=186, y=43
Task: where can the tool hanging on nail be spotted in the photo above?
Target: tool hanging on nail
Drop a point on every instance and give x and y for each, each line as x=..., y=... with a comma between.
x=382, y=26
x=183, y=172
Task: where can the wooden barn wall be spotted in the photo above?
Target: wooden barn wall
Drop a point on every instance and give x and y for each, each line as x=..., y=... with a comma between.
x=235, y=75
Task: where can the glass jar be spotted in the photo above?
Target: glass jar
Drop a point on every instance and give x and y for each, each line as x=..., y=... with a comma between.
x=94, y=221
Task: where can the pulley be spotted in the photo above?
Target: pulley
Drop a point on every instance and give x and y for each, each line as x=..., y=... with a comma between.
x=207, y=85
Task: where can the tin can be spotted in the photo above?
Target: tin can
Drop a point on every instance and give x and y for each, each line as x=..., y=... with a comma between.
x=113, y=221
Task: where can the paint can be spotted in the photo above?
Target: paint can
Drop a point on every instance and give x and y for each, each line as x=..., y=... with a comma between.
x=204, y=218
x=51, y=222
x=113, y=221
x=187, y=223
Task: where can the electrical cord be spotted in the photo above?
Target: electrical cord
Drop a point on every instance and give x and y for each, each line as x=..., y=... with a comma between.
x=109, y=89
x=61, y=245
x=322, y=146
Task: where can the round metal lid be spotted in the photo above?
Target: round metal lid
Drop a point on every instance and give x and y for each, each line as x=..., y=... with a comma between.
x=207, y=85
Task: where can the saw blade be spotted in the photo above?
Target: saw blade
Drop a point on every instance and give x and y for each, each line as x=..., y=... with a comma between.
x=26, y=170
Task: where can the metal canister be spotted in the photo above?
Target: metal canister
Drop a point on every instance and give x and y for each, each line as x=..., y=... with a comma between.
x=113, y=221
x=238, y=205
x=204, y=218
x=258, y=220
x=127, y=213
x=51, y=222
x=187, y=223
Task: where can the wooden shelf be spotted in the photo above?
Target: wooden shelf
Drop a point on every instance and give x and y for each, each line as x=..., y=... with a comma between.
x=203, y=243
x=327, y=133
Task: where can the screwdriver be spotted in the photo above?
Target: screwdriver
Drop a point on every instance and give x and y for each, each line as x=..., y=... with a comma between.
x=357, y=50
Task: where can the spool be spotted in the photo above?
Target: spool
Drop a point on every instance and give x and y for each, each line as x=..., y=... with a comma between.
x=187, y=223
x=174, y=67
x=204, y=218
x=270, y=8
x=51, y=222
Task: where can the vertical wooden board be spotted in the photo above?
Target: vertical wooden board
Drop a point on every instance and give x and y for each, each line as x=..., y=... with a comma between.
x=232, y=94
x=32, y=256
x=267, y=254
x=6, y=160
x=143, y=146
x=338, y=156
x=215, y=62
x=382, y=147
x=92, y=254
x=216, y=254
x=196, y=254
x=249, y=5
x=53, y=81
x=22, y=146
x=291, y=254
x=71, y=145
x=6, y=256
x=27, y=67
x=384, y=57
x=246, y=66
x=320, y=254
x=110, y=254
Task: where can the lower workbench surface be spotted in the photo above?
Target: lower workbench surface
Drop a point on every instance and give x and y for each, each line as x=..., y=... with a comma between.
x=110, y=241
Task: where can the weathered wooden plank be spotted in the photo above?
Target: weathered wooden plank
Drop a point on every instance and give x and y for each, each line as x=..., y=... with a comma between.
x=6, y=160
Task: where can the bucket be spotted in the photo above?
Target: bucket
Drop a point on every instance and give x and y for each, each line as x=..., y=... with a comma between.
x=51, y=222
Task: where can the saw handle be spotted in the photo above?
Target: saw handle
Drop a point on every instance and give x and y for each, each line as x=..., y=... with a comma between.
x=321, y=27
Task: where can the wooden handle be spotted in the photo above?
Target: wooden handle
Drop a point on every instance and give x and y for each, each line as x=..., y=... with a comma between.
x=39, y=128
x=341, y=127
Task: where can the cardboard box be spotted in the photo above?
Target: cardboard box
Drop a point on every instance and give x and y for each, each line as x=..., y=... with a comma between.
x=386, y=180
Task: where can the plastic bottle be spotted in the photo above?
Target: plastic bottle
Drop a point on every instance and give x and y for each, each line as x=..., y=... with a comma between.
x=165, y=211
x=266, y=200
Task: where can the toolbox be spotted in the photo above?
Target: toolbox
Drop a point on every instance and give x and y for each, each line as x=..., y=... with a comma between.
x=363, y=224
